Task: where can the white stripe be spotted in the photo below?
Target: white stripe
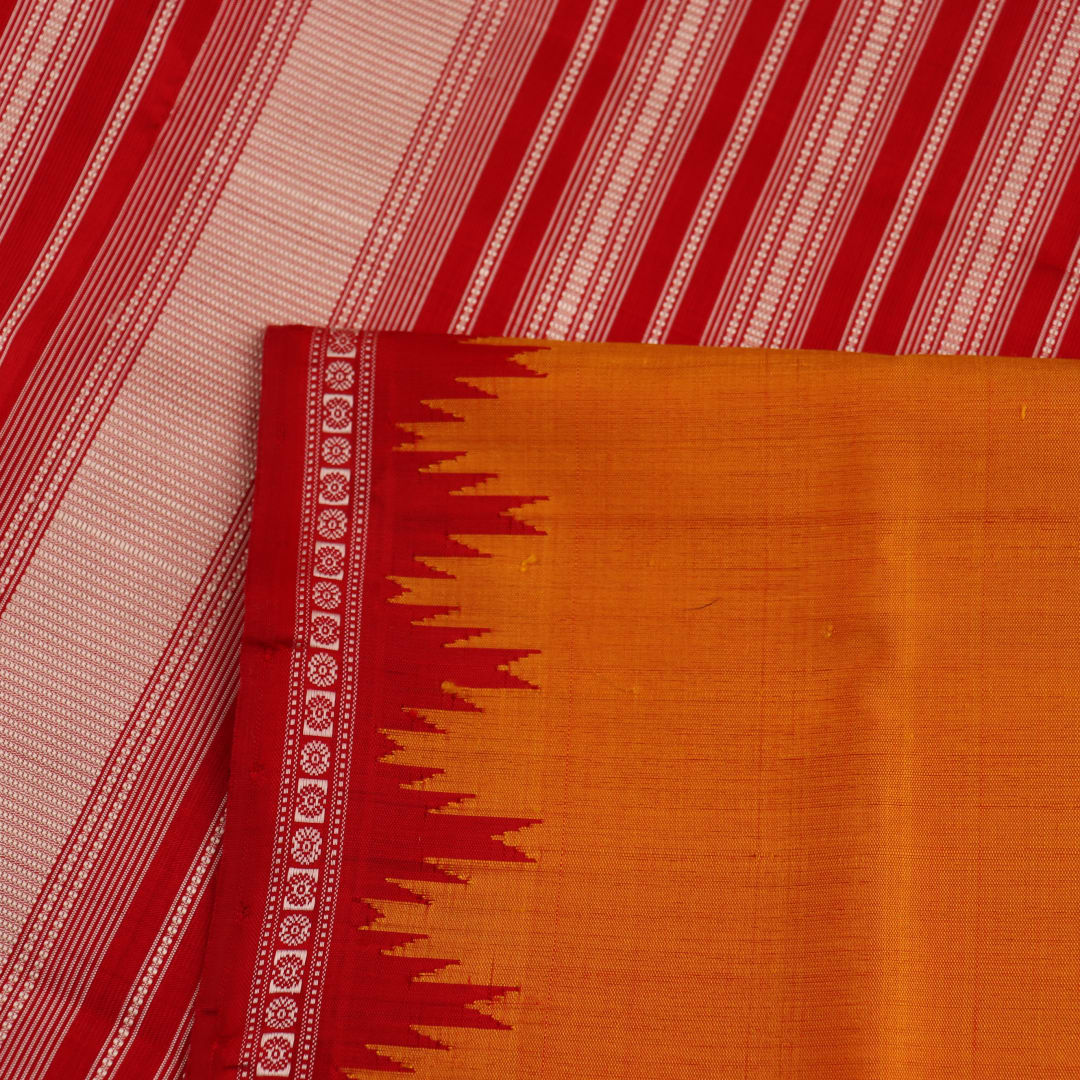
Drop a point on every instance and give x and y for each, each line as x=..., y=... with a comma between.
x=749, y=113
x=538, y=148
x=156, y=963
x=935, y=280
x=914, y=187
x=1015, y=186
x=405, y=280
x=417, y=163
x=145, y=61
x=828, y=157
x=658, y=80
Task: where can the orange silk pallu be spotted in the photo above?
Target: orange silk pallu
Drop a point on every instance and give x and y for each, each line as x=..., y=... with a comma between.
x=649, y=711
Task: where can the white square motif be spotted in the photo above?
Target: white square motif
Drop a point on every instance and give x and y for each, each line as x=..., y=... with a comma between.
x=337, y=413
x=319, y=706
x=287, y=973
x=275, y=1054
x=301, y=888
x=310, y=800
x=334, y=486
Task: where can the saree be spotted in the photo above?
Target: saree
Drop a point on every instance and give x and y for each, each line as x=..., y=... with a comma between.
x=637, y=711
x=692, y=706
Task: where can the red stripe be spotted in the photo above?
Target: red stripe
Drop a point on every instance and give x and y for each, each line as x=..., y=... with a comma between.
x=134, y=937
x=717, y=120
x=450, y=282
x=1069, y=342
x=257, y=750
x=726, y=232
x=168, y=1010
x=564, y=155
x=909, y=268
x=1048, y=269
x=888, y=178
x=70, y=148
x=76, y=136
x=7, y=9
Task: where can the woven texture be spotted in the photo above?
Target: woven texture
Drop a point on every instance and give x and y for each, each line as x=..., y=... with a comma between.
x=719, y=701
x=860, y=175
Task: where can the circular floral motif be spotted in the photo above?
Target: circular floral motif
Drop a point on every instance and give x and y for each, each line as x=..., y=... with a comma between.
x=281, y=1012
x=336, y=450
x=325, y=594
x=332, y=524
x=324, y=630
x=329, y=561
x=322, y=669
x=287, y=971
x=334, y=487
x=306, y=845
x=314, y=758
x=337, y=413
x=340, y=341
x=339, y=374
x=300, y=890
x=310, y=801
x=276, y=1054
x=320, y=712
x=295, y=930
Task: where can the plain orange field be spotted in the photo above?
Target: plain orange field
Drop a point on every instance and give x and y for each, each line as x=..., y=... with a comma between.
x=804, y=738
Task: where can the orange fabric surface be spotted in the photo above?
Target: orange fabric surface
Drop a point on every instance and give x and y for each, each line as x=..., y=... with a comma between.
x=803, y=738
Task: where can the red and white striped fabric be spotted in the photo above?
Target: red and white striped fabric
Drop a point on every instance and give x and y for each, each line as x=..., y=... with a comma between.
x=881, y=175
